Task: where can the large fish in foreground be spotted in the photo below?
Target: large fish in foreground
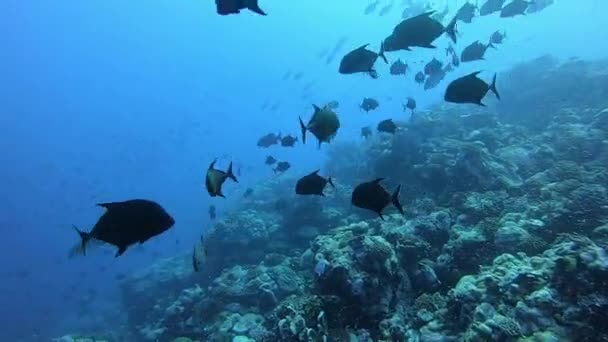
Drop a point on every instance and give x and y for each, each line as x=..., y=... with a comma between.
x=373, y=196
x=313, y=184
x=227, y=7
x=470, y=89
x=215, y=179
x=127, y=223
x=323, y=124
x=419, y=31
x=361, y=60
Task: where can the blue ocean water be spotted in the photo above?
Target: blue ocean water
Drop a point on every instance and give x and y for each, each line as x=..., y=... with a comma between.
x=110, y=100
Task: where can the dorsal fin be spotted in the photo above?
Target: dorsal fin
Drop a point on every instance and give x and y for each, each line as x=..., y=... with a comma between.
x=109, y=205
x=378, y=180
x=474, y=74
x=212, y=165
x=317, y=108
x=362, y=46
x=315, y=172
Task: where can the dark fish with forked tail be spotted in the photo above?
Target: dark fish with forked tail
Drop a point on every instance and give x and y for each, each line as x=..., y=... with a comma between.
x=470, y=89
x=215, y=179
x=227, y=7
x=127, y=223
x=373, y=196
x=313, y=184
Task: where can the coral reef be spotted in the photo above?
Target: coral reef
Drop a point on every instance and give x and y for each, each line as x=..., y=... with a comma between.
x=504, y=237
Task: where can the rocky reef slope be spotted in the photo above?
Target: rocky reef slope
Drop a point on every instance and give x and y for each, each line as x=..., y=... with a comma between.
x=504, y=237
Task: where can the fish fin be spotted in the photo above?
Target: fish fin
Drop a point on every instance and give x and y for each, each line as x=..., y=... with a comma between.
x=229, y=173
x=329, y=180
x=362, y=46
x=254, y=7
x=319, y=146
x=322, y=194
x=317, y=108
x=378, y=180
x=381, y=217
x=315, y=172
x=303, y=128
x=381, y=53
x=480, y=103
x=108, y=205
x=194, y=261
x=220, y=194
x=212, y=165
x=84, y=239
x=490, y=45
x=395, y=199
x=429, y=46
x=121, y=249
x=474, y=74
x=493, y=87
x=452, y=30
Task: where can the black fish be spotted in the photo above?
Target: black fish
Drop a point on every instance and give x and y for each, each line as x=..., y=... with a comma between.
x=373, y=196
x=491, y=6
x=212, y=212
x=323, y=124
x=398, y=68
x=470, y=89
x=455, y=60
x=433, y=80
x=474, y=52
x=282, y=167
x=270, y=160
x=371, y=7
x=411, y=104
x=433, y=67
x=385, y=10
x=361, y=60
x=539, y=5
x=199, y=254
x=369, y=104
x=466, y=13
x=366, y=132
x=419, y=78
x=216, y=178
x=312, y=184
x=387, y=126
x=288, y=141
x=248, y=192
x=450, y=50
x=126, y=223
x=418, y=31
x=497, y=37
x=514, y=8
x=333, y=104
x=226, y=7
x=269, y=140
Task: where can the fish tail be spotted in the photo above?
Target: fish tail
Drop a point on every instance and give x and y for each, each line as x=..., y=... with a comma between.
x=229, y=173
x=395, y=199
x=381, y=53
x=329, y=180
x=79, y=249
x=254, y=7
x=493, y=87
x=303, y=128
x=452, y=29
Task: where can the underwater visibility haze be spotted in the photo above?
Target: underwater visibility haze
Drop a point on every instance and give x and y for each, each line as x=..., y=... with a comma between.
x=267, y=170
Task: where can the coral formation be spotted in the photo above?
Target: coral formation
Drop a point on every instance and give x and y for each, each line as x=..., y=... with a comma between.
x=504, y=237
